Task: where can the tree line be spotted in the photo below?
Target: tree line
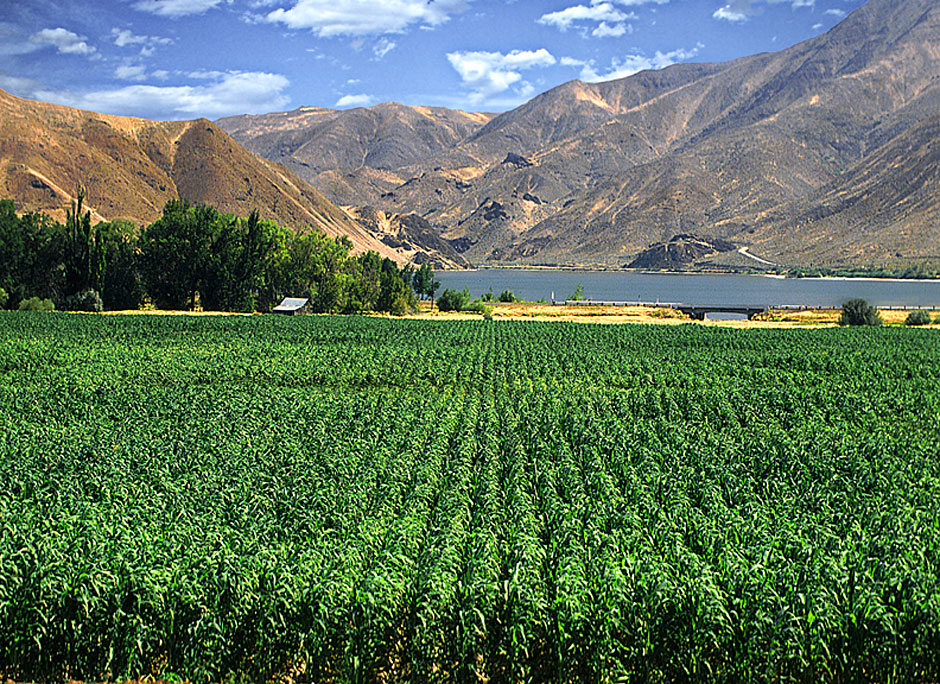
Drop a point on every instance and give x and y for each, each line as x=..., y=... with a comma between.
x=193, y=256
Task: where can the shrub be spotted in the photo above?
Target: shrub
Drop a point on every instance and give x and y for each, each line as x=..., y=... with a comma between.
x=451, y=300
x=919, y=317
x=36, y=304
x=86, y=300
x=3, y=298
x=859, y=312
x=507, y=296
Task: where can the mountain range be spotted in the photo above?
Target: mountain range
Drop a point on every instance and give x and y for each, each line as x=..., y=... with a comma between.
x=824, y=153
x=132, y=167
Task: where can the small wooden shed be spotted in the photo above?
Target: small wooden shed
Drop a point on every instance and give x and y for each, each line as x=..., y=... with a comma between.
x=291, y=306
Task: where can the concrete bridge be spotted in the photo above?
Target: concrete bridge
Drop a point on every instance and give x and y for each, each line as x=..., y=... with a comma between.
x=696, y=312
x=699, y=313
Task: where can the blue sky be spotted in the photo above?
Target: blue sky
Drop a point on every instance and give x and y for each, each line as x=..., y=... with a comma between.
x=183, y=59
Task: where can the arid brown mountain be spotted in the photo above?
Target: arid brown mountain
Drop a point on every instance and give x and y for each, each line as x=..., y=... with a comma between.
x=823, y=153
x=132, y=167
x=356, y=153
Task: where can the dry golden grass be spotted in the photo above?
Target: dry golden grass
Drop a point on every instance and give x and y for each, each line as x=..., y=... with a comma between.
x=524, y=311
x=810, y=318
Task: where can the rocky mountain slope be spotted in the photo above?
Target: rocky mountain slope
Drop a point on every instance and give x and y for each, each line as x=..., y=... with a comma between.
x=132, y=167
x=823, y=153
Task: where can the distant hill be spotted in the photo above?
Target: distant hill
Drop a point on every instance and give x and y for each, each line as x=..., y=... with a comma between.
x=132, y=167
x=823, y=153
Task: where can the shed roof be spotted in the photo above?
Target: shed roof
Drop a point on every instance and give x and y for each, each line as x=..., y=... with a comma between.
x=291, y=304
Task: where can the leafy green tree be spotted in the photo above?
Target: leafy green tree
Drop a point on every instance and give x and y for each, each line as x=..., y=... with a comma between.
x=859, y=312
x=175, y=251
x=237, y=267
x=84, y=257
x=121, y=283
x=408, y=273
x=316, y=266
x=36, y=304
x=394, y=296
x=369, y=280
x=423, y=282
x=452, y=300
x=86, y=300
x=31, y=255
x=506, y=296
x=919, y=317
x=4, y=297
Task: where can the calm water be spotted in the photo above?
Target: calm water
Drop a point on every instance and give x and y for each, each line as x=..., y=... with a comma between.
x=697, y=289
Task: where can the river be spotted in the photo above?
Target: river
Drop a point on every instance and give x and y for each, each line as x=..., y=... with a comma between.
x=692, y=289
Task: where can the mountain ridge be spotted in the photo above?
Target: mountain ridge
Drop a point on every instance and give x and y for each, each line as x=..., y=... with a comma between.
x=734, y=149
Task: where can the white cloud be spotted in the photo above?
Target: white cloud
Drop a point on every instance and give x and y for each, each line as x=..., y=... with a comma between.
x=131, y=72
x=360, y=100
x=364, y=17
x=605, y=30
x=630, y=64
x=177, y=8
x=124, y=38
x=835, y=12
x=491, y=73
x=729, y=13
x=610, y=22
x=383, y=47
x=66, y=42
x=738, y=11
x=563, y=19
x=231, y=93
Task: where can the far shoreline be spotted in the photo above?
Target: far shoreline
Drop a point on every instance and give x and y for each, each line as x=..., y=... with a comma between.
x=635, y=271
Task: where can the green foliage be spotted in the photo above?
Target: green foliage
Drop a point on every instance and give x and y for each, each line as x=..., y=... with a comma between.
x=31, y=249
x=578, y=293
x=4, y=298
x=859, y=312
x=242, y=252
x=226, y=499
x=36, y=304
x=84, y=254
x=121, y=284
x=87, y=300
x=919, y=317
x=452, y=300
x=195, y=254
x=175, y=251
x=423, y=282
x=507, y=296
x=395, y=297
x=915, y=271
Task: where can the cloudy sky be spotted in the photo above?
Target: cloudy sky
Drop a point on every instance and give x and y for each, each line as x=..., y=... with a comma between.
x=182, y=59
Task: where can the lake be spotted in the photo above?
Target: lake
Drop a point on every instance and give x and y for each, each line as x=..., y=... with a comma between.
x=692, y=288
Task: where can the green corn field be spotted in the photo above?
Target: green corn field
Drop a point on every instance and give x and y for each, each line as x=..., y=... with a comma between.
x=346, y=499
